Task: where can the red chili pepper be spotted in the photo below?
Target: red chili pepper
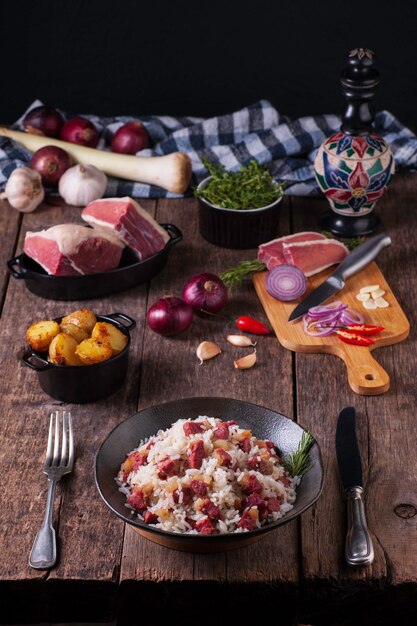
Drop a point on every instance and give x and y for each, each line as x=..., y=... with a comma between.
x=250, y=325
x=354, y=338
x=364, y=329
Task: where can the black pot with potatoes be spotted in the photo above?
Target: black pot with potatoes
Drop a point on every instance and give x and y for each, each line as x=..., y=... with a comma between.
x=81, y=357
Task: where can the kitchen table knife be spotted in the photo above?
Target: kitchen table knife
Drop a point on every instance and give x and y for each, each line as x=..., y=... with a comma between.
x=359, y=550
x=359, y=258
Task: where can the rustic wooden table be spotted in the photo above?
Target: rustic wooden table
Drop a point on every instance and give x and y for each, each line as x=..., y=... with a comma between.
x=297, y=571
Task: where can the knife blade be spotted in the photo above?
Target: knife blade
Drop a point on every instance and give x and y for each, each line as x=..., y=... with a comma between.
x=359, y=550
x=355, y=261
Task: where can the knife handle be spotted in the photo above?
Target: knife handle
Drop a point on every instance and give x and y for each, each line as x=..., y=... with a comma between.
x=359, y=550
x=361, y=256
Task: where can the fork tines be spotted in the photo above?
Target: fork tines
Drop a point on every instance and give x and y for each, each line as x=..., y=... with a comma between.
x=60, y=435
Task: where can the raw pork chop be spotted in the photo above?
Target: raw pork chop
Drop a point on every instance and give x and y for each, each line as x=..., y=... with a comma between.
x=125, y=218
x=272, y=254
x=71, y=249
x=312, y=257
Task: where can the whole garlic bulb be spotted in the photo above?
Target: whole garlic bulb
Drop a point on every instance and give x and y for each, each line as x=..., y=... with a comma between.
x=24, y=189
x=82, y=184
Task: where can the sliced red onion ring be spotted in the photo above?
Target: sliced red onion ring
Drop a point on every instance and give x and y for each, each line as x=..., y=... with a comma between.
x=326, y=309
x=286, y=283
x=322, y=321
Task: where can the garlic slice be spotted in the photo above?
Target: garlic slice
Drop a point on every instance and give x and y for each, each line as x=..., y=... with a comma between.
x=381, y=303
x=368, y=288
x=363, y=297
x=240, y=340
x=246, y=361
x=207, y=350
x=378, y=293
x=370, y=304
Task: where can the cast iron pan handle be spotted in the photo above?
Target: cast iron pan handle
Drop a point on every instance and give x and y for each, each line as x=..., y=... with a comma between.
x=173, y=230
x=16, y=262
x=30, y=354
x=125, y=318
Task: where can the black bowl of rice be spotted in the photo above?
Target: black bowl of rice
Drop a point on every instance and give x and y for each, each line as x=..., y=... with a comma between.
x=205, y=474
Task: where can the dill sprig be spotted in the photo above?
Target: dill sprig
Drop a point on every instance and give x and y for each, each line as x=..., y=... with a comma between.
x=251, y=187
x=234, y=276
x=298, y=463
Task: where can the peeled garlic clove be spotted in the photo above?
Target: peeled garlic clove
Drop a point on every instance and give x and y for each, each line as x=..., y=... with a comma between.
x=381, y=303
x=369, y=289
x=378, y=293
x=246, y=361
x=363, y=297
x=240, y=340
x=370, y=304
x=207, y=350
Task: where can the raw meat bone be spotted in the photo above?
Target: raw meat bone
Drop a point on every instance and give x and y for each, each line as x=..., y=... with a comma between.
x=172, y=171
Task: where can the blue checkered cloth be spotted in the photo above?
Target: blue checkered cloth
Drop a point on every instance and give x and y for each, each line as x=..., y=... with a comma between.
x=287, y=146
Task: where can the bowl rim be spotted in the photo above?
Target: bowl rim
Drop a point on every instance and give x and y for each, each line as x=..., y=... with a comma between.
x=100, y=318
x=198, y=538
x=204, y=182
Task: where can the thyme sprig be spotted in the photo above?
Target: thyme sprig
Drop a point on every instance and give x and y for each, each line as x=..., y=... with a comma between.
x=234, y=276
x=298, y=463
x=251, y=187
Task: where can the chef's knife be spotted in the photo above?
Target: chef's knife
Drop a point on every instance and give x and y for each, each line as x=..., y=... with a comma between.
x=359, y=258
x=359, y=550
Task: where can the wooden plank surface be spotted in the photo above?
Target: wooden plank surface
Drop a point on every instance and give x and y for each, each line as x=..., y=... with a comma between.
x=384, y=425
x=10, y=220
x=301, y=564
x=90, y=537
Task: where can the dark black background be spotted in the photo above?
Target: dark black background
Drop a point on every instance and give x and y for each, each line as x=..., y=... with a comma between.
x=196, y=58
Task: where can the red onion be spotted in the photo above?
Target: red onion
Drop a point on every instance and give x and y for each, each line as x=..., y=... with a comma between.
x=130, y=138
x=205, y=293
x=170, y=316
x=324, y=320
x=51, y=162
x=43, y=120
x=81, y=131
x=286, y=283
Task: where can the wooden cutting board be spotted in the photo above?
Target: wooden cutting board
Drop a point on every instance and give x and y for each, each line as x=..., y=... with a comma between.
x=365, y=374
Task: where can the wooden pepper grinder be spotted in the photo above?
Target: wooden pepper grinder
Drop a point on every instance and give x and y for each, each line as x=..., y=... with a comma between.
x=354, y=166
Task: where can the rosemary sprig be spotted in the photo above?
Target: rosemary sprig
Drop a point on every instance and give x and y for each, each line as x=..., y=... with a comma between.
x=234, y=276
x=298, y=463
x=251, y=187
x=350, y=245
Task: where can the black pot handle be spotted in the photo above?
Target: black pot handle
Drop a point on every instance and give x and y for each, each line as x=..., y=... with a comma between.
x=16, y=262
x=30, y=354
x=125, y=318
x=174, y=231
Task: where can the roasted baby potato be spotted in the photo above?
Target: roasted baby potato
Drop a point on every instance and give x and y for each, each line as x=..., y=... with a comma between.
x=93, y=351
x=40, y=334
x=83, y=318
x=62, y=350
x=77, y=332
x=103, y=331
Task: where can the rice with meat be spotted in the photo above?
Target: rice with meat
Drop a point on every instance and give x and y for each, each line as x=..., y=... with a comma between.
x=206, y=476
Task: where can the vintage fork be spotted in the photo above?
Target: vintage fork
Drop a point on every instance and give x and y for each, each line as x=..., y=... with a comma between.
x=57, y=464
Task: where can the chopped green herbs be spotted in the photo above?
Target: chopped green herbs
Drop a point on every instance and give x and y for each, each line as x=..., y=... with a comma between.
x=251, y=187
x=233, y=277
x=298, y=463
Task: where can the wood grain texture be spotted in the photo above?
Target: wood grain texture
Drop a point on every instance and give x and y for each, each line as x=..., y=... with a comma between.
x=365, y=375
x=333, y=593
x=10, y=220
x=171, y=371
x=300, y=567
x=81, y=519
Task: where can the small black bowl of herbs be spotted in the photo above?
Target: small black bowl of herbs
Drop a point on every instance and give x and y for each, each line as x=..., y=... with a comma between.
x=238, y=209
